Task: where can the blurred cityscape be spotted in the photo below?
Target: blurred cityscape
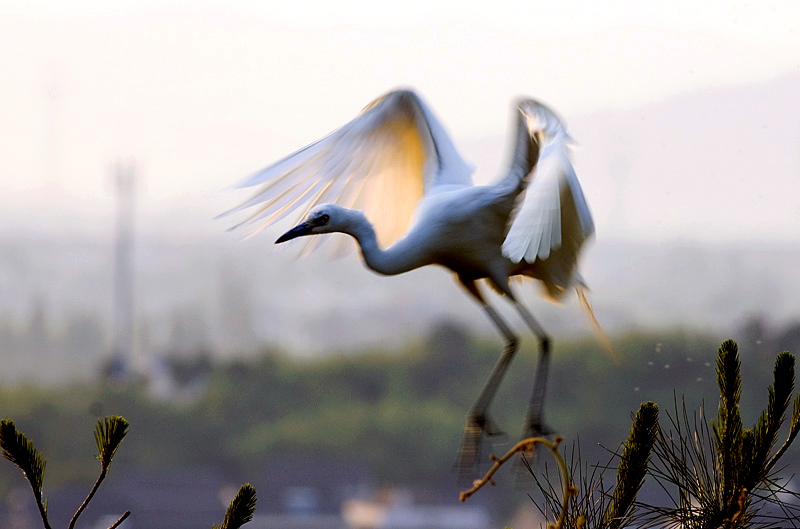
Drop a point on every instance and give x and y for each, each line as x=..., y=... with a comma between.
x=215, y=298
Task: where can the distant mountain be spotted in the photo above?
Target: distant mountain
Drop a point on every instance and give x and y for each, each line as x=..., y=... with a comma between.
x=710, y=165
x=721, y=164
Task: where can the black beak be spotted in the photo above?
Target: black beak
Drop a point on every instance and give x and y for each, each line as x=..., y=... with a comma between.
x=298, y=231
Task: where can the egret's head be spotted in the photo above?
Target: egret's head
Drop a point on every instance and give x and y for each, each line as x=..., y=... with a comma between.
x=325, y=218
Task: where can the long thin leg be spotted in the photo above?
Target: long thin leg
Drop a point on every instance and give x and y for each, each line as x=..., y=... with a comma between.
x=478, y=422
x=490, y=387
x=534, y=420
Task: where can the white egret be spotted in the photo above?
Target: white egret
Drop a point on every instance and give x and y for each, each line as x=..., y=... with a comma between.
x=395, y=163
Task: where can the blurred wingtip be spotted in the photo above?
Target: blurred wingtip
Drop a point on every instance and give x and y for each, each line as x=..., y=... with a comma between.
x=599, y=332
x=224, y=214
x=540, y=117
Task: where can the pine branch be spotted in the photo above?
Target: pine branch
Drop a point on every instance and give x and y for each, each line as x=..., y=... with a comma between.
x=729, y=378
x=120, y=520
x=633, y=466
x=794, y=429
x=528, y=445
x=241, y=509
x=109, y=434
x=728, y=432
x=20, y=451
x=729, y=487
x=771, y=419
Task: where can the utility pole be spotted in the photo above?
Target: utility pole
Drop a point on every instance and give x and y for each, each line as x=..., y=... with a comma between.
x=124, y=175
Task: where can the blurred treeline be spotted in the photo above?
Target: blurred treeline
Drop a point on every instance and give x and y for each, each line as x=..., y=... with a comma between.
x=397, y=412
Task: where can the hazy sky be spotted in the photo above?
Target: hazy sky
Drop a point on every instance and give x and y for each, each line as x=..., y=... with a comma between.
x=202, y=93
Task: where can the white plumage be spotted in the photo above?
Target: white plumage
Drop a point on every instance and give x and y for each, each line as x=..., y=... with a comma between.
x=395, y=162
x=383, y=162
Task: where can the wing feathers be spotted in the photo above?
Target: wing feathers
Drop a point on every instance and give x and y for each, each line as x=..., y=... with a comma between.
x=382, y=161
x=542, y=221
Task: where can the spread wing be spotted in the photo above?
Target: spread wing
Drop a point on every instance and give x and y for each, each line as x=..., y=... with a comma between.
x=382, y=161
x=552, y=217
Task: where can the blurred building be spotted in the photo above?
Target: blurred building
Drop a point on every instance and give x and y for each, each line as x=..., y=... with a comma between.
x=396, y=509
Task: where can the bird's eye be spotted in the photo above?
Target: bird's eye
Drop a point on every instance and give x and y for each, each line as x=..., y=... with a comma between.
x=324, y=219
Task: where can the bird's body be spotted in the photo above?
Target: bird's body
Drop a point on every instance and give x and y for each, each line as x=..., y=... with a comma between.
x=420, y=208
x=461, y=228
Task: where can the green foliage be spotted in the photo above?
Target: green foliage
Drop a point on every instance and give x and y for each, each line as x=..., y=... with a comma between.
x=594, y=505
x=793, y=431
x=728, y=434
x=109, y=434
x=241, y=509
x=20, y=451
x=409, y=403
x=412, y=404
x=632, y=466
x=716, y=476
x=727, y=479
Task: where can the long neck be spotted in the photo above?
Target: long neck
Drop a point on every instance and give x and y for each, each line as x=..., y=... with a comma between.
x=402, y=256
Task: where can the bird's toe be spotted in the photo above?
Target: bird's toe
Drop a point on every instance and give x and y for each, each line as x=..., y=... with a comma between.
x=469, y=453
x=488, y=426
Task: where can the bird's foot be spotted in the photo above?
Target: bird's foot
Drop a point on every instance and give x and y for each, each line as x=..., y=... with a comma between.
x=523, y=470
x=535, y=429
x=468, y=458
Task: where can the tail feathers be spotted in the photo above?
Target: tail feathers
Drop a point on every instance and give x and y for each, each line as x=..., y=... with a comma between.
x=600, y=334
